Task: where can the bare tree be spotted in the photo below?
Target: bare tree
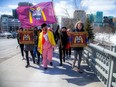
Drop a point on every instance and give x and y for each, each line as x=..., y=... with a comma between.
x=67, y=21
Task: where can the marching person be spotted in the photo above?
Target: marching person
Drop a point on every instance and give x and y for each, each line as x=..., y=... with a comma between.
x=63, y=40
x=79, y=27
x=36, y=36
x=29, y=48
x=68, y=47
x=20, y=45
x=46, y=43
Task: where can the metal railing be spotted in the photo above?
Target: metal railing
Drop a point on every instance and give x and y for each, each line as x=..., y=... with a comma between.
x=103, y=63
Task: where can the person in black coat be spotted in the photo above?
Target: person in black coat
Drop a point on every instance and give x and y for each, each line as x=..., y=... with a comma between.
x=63, y=40
x=20, y=45
x=79, y=27
x=29, y=48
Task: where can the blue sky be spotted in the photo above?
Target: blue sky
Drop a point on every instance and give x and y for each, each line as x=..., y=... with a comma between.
x=90, y=6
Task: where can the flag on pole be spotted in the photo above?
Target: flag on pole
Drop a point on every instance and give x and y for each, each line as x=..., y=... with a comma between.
x=37, y=14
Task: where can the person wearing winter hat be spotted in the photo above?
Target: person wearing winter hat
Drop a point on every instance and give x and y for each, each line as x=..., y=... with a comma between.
x=79, y=27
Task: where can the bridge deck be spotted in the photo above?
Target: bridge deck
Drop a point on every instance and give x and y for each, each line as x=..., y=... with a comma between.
x=14, y=74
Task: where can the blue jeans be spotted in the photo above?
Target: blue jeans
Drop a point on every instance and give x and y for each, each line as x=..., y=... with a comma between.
x=79, y=54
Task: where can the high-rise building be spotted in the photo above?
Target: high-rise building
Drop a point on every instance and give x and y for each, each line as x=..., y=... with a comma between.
x=91, y=17
x=14, y=13
x=9, y=23
x=99, y=17
x=80, y=15
x=114, y=19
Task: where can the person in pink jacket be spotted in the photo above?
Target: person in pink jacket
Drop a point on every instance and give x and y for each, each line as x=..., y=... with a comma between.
x=46, y=43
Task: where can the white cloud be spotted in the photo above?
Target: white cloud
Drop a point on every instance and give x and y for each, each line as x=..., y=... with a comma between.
x=7, y=9
x=64, y=8
x=99, y=5
x=34, y=3
x=12, y=6
x=6, y=12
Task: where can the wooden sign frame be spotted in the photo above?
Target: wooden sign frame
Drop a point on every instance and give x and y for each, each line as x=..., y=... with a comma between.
x=78, y=39
x=26, y=37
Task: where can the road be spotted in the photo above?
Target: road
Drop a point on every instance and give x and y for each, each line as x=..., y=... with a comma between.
x=14, y=74
x=8, y=49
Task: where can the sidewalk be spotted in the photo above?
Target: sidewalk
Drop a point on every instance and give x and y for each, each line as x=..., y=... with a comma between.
x=14, y=74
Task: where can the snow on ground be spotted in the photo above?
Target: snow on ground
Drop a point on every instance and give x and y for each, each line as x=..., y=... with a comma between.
x=110, y=38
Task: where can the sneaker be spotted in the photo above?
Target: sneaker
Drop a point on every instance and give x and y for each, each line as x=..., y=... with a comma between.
x=23, y=58
x=45, y=68
x=34, y=62
x=67, y=57
x=80, y=71
x=38, y=63
x=73, y=65
x=27, y=66
x=64, y=59
x=51, y=63
x=60, y=64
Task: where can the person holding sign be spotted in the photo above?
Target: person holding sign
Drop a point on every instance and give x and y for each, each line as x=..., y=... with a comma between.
x=79, y=27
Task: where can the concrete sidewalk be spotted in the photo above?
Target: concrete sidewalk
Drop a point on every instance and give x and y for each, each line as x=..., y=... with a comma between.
x=14, y=74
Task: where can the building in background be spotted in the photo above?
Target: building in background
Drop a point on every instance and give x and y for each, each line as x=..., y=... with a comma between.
x=114, y=21
x=14, y=13
x=99, y=17
x=0, y=25
x=108, y=20
x=70, y=22
x=24, y=4
x=91, y=17
x=98, y=21
x=9, y=23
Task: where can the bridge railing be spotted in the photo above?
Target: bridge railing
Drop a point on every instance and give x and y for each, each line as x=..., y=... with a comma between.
x=103, y=63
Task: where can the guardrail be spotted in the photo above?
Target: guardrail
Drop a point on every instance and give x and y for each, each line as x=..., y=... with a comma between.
x=103, y=63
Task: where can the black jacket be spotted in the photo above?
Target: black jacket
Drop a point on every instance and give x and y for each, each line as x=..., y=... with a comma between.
x=64, y=39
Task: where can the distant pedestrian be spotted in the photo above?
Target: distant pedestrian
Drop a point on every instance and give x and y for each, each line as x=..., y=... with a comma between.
x=46, y=43
x=79, y=27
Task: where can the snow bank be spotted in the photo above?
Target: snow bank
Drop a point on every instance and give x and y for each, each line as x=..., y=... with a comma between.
x=110, y=38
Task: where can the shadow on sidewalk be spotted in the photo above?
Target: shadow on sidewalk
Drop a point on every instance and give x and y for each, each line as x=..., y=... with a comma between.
x=71, y=76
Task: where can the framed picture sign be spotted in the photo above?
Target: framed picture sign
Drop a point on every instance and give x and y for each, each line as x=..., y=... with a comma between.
x=78, y=39
x=26, y=37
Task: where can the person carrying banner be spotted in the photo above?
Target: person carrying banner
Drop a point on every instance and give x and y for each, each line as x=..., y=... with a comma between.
x=79, y=27
x=46, y=43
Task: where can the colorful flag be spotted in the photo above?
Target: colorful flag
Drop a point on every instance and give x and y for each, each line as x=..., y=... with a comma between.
x=36, y=15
